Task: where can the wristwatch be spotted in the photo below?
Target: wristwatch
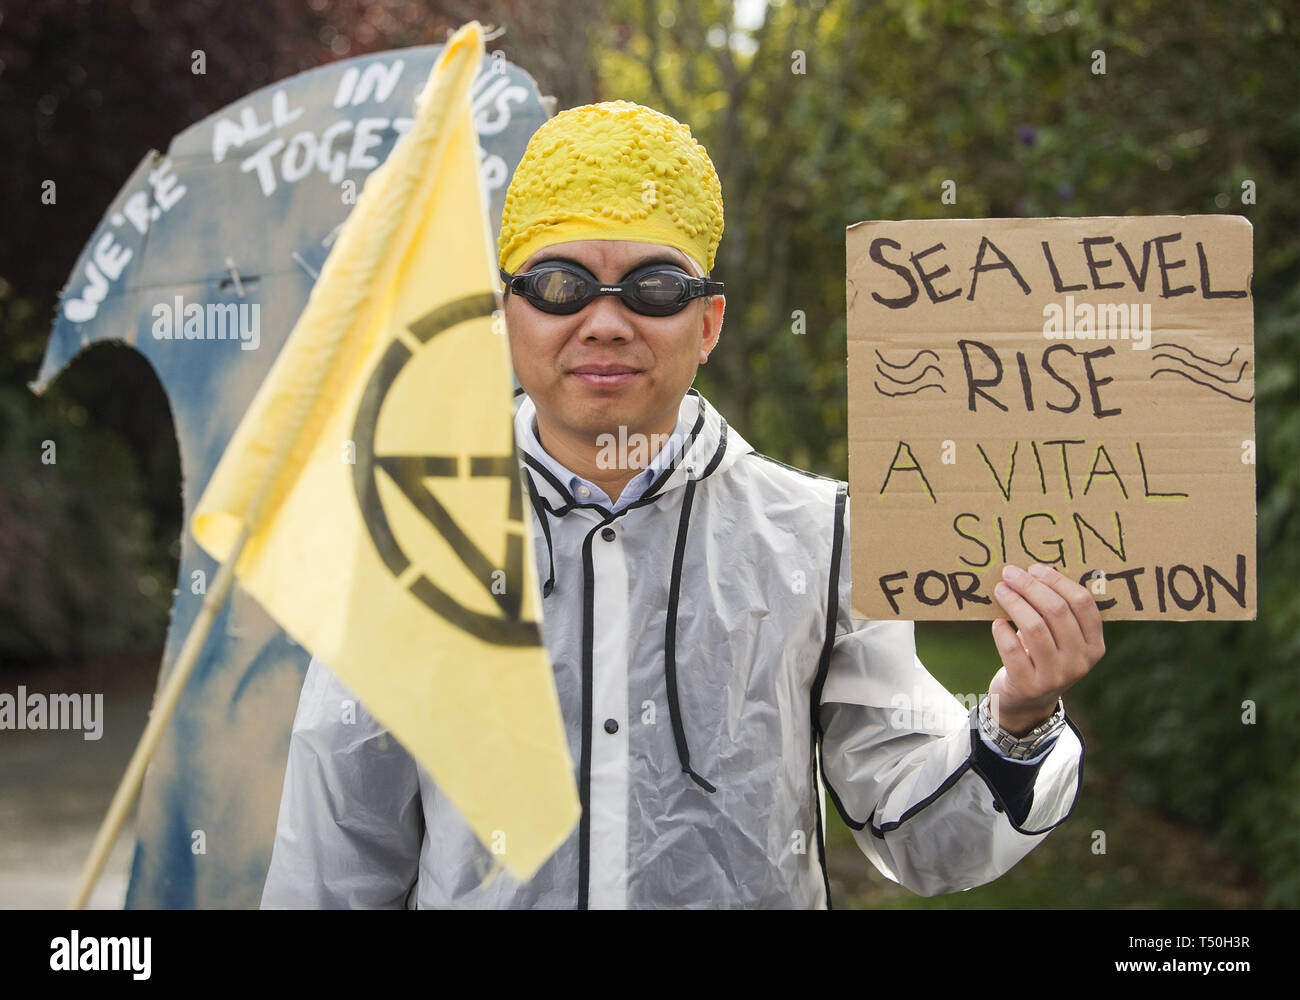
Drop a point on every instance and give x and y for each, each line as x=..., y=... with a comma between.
x=1020, y=747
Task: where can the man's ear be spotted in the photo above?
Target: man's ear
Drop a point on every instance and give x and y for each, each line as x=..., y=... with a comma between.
x=714, y=307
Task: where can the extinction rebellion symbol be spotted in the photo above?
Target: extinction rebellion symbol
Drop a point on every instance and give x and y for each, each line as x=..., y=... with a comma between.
x=409, y=471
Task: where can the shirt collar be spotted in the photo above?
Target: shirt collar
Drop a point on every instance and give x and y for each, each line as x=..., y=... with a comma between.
x=708, y=447
x=585, y=491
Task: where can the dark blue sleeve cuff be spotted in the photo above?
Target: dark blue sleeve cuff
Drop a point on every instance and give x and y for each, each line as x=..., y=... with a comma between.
x=1013, y=780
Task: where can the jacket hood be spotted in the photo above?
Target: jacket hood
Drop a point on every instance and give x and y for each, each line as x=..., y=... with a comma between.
x=711, y=446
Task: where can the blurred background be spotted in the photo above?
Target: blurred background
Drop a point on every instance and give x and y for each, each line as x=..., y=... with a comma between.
x=1197, y=808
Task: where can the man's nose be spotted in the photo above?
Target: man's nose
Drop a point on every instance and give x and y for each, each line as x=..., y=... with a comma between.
x=606, y=318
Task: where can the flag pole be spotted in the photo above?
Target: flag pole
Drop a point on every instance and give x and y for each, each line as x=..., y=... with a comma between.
x=165, y=702
x=159, y=715
x=169, y=696
x=164, y=706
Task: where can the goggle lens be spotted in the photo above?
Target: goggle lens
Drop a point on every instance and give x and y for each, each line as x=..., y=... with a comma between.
x=661, y=289
x=561, y=288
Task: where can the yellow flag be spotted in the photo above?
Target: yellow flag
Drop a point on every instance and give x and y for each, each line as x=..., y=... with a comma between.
x=376, y=476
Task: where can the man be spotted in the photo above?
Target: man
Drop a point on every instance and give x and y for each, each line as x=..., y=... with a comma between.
x=696, y=609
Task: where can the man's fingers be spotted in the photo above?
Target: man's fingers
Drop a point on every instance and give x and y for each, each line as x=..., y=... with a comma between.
x=1012, y=651
x=1057, y=642
x=1034, y=631
x=1055, y=611
x=1029, y=655
x=1081, y=602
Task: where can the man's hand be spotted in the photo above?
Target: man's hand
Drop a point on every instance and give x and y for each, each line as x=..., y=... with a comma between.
x=1056, y=641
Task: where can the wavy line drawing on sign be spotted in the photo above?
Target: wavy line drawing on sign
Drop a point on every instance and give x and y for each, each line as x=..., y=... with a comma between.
x=909, y=381
x=1217, y=364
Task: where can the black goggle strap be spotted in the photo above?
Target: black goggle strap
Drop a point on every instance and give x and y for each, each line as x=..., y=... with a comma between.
x=699, y=286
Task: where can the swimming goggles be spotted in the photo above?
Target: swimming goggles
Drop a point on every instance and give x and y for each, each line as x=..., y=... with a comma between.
x=562, y=287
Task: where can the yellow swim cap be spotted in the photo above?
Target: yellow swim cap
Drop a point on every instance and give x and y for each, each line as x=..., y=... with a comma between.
x=612, y=171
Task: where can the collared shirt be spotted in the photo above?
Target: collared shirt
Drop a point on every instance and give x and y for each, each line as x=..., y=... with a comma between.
x=587, y=491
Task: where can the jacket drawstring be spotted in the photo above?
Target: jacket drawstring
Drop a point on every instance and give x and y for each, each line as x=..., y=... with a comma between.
x=670, y=633
x=541, y=511
x=670, y=641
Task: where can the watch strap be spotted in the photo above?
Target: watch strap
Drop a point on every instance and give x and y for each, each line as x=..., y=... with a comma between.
x=1020, y=747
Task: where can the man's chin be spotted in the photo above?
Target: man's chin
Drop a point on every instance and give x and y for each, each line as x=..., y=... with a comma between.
x=593, y=422
x=590, y=415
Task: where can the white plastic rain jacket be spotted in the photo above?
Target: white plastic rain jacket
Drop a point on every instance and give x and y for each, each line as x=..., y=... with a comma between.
x=704, y=654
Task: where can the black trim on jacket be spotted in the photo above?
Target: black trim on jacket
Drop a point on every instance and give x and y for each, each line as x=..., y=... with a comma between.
x=542, y=509
x=823, y=666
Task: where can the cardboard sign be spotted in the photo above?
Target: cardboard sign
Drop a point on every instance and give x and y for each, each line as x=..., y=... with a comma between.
x=1074, y=392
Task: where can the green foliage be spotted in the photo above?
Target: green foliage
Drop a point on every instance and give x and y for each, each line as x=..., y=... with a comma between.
x=1169, y=699
x=80, y=573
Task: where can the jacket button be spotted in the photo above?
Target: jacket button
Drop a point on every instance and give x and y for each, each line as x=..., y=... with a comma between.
x=608, y=534
x=611, y=726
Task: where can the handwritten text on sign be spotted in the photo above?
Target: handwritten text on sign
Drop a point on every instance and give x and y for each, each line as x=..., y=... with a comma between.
x=1075, y=392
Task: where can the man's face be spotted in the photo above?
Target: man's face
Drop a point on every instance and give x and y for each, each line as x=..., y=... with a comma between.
x=606, y=366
